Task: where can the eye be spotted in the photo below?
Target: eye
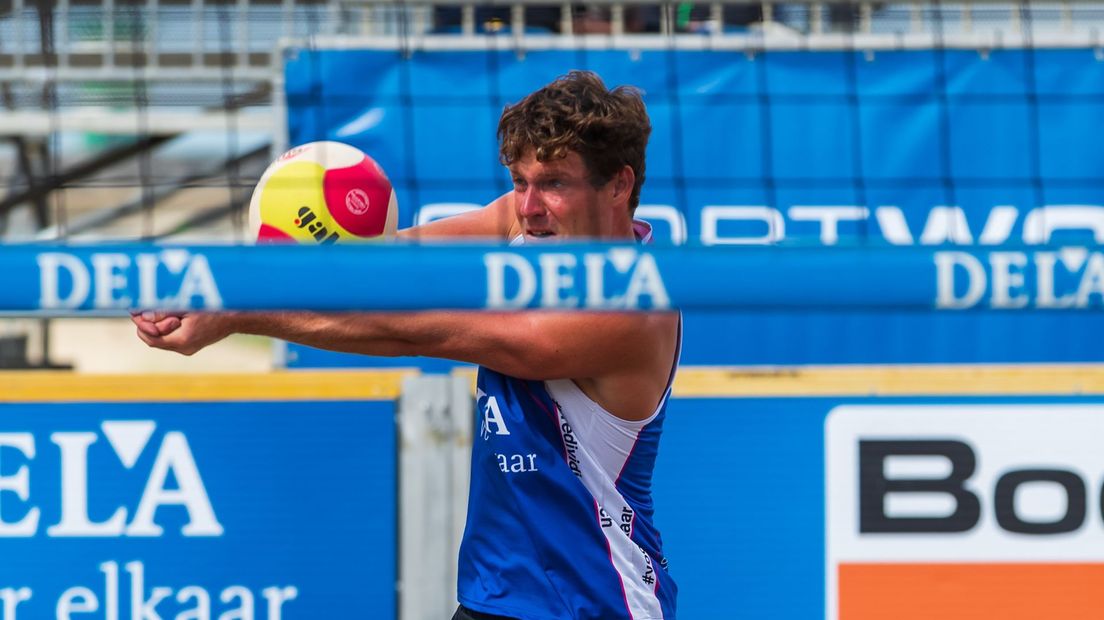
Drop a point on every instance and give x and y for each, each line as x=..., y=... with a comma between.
x=519, y=185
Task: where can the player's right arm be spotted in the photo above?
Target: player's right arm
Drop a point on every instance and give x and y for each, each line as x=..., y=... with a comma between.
x=494, y=221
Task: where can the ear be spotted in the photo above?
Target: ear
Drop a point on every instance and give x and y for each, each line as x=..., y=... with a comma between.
x=623, y=183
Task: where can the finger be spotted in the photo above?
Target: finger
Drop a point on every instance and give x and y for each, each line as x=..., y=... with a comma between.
x=150, y=339
x=167, y=325
x=154, y=316
x=145, y=327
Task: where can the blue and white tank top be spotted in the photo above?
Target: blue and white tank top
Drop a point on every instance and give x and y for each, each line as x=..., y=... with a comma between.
x=560, y=510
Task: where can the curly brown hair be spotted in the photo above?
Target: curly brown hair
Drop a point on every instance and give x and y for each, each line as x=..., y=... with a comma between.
x=607, y=128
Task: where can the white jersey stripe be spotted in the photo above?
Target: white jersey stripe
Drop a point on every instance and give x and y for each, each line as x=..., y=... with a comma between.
x=599, y=513
x=632, y=563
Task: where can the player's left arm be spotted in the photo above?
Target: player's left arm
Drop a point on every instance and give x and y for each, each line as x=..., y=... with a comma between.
x=494, y=221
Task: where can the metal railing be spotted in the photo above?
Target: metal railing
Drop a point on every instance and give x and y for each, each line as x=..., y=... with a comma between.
x=201, y=40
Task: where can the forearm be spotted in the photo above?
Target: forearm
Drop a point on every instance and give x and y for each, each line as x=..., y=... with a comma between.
x=382, y=334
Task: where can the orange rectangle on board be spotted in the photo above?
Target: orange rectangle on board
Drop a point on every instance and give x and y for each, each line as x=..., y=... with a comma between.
x=870, y=591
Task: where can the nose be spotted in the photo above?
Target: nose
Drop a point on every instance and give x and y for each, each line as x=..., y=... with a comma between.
x=530, y=204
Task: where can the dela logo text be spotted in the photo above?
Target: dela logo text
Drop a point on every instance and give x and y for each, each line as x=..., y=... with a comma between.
x=128, y=440
x=951, y=511
x=1072, y=277
x=169, y=279
x=620, y=278
x=73, y=490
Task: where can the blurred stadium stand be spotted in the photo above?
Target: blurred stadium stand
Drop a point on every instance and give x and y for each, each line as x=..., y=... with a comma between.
x=175, y=104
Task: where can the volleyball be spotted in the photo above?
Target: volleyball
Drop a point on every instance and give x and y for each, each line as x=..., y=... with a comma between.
x=323, y=192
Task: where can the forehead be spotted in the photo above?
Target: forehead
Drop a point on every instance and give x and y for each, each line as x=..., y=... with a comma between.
x=527, y=165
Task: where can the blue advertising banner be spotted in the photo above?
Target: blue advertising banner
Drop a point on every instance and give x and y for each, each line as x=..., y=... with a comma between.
x=934, y=148
x=758, y=500
x=197, y=510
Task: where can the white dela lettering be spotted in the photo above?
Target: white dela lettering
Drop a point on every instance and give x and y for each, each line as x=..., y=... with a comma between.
x=1004, y=277
x=946, y=264
x=557, y=283
x=20, y=484
x=194, y=601
x=191, y=494
x=557, y=274
x=112, y=275
x=173, y=463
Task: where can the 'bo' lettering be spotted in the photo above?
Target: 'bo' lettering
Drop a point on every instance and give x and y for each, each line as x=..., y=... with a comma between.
x=874, y=486
x=1005, y=496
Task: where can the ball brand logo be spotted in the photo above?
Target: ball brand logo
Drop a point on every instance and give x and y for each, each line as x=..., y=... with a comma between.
x=617, y=278
x=308, y=221
x=109, y=279
x=356, y=201
x=938, y=511
x=295, y=152
x=172, y=480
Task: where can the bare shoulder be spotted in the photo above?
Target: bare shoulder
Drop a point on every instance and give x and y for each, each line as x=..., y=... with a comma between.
x=635, y=379
x=494, y=221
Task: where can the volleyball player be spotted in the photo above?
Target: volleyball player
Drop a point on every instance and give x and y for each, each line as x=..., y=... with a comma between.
x=570, y=405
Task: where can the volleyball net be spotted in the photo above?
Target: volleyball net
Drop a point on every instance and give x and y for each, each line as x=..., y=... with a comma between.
x=104, y=279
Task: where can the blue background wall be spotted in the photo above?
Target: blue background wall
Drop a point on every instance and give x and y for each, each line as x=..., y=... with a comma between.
x=297, y=488
x=912, y=130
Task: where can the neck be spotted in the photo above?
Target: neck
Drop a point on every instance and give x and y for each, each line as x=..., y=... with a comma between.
x=622, y=229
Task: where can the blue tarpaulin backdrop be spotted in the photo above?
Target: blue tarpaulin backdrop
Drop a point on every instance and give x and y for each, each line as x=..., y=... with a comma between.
x=1007, y=140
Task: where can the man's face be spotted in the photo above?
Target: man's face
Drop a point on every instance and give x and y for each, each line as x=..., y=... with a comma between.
x=555, y=199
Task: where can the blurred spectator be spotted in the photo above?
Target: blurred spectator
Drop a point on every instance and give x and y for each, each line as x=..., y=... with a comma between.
x=590, y=19
x=692, y=17
x=843, y=17
x=685, y=17
x=538, y=19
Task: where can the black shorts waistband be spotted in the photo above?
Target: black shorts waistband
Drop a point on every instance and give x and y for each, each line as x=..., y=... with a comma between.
x=463, y=613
